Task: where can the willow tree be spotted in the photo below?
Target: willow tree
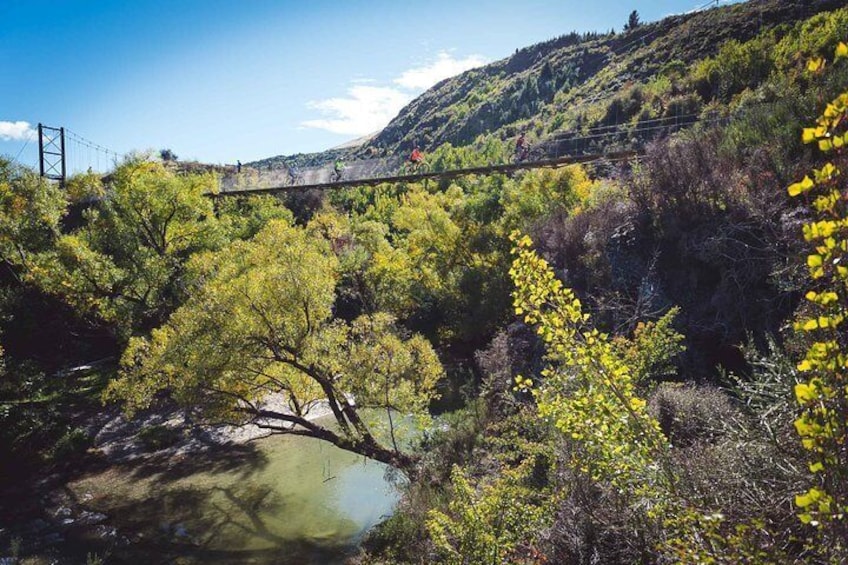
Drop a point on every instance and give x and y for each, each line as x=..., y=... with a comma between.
x=259, y=325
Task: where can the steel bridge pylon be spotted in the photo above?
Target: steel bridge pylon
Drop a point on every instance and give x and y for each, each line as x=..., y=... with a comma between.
x=51, y=153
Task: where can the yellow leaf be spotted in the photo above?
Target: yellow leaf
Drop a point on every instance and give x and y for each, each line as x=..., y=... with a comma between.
x=808, y=135
x=803, y=186
x=841, y=50
x=804, y=500
x=809, y=325
x=805, y=393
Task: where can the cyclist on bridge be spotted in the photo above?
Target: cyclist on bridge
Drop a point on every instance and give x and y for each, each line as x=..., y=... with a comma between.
x=416, y=158
x=522, y=147
x=338, y=169
x=294, y=174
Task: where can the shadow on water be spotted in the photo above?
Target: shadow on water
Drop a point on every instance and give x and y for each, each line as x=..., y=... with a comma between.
x=241, y=516
x=277, y=500
x=243, y=459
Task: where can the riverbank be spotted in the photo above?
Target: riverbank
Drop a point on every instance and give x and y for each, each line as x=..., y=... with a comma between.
x=69, y=510
x=121, y=440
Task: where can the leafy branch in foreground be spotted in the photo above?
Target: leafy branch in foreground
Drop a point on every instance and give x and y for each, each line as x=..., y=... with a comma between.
x=823, y=397
x=588, y=391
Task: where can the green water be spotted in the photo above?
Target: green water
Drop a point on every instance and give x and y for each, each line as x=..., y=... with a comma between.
x=277, y=500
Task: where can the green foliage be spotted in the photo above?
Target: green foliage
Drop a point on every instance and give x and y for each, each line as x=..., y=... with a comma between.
x=632, y=21
x=492, y=524
x=651, y=351
x=823, y=397
x=30, y=212
x=815, y=37
x=84, y=187
x=158, y=437
x=124, y=264
x=740, y=65
x=542, y=193
x=71, y=444
x=737, y=66
x=259, y=323
x=242, y=218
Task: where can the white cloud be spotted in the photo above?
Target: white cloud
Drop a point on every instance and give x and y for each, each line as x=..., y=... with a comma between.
x=422, y=78
x=13, y=131
x=368, y=108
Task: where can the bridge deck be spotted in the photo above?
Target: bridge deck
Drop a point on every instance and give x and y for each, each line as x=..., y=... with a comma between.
x=488, y=169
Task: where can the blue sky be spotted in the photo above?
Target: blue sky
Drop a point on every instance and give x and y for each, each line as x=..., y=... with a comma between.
x=223, y=80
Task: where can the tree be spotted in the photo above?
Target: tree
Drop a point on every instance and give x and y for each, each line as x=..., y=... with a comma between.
x=167, y=155
x=493, y=523
x=31, y=210
x=124, y=263
x=258, y=323
x=632, y=21
x=588, y=390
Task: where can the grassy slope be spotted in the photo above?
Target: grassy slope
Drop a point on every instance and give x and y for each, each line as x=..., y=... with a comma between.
x=568, y=82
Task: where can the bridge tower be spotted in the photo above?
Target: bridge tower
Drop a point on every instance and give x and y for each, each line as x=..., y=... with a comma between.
x=51, y=153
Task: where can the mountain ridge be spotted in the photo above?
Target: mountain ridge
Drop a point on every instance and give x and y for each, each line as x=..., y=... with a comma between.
x=575, y=82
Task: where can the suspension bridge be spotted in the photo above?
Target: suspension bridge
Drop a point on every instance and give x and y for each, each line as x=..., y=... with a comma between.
x=609, y=143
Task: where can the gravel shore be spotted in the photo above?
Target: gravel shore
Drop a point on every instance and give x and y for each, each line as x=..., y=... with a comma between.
x=118, y=439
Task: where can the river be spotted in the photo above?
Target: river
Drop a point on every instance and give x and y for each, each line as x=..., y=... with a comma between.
x=281, y=499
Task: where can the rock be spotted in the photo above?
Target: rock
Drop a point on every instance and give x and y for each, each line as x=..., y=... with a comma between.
x=38, y=525
x=62, y=512
x=180, y=531
x=91, y=518
x=105, y=532
x=53, y=539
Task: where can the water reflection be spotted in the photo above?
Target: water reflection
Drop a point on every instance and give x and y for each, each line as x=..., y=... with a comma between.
x=278, y=500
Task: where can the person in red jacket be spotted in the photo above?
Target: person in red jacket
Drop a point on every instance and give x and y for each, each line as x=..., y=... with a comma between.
x=522, y=147
x=416, y=158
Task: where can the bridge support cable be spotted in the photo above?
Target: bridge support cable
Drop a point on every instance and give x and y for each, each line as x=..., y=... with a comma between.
x=441, y=175
x=560, y=149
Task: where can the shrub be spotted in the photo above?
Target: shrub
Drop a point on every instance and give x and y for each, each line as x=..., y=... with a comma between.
x=71, y=445
x=158, y=436
x=688, y=413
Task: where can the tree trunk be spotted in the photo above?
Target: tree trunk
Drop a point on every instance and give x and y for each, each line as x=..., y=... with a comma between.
x=366, y=446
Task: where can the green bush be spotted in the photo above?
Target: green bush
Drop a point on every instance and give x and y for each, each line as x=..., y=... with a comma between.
x=690, y=413
x=157, y=437
x=72, y=444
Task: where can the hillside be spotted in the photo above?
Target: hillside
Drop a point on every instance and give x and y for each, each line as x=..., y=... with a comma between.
x=577, y=82
x=572, y=82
